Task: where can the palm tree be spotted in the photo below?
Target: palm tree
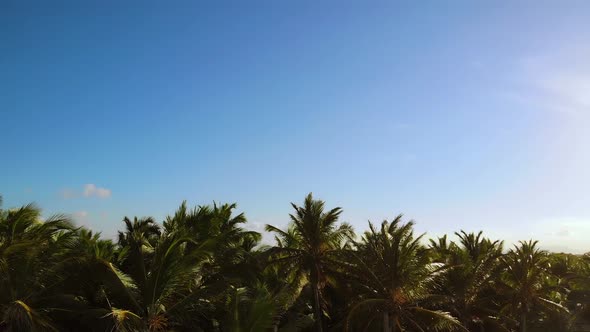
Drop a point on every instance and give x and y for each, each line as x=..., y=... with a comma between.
x=249, y=309
x=31, y=252
x=526, y=269
x=163, y=275
x=204, y=269
x=579, y=295
x=216, y=223
x=396, y=277
x=307, y=248
x=105, y=288
x=184, y=276
x=137, y=242
x=467, y=286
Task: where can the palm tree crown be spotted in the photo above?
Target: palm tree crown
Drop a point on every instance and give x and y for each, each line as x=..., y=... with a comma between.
x=307, y=248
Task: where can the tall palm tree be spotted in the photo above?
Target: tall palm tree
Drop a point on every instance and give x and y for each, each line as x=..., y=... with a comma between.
x=104, y=290
x=396, y=277
x=249, y=309
x=526, y=269
x=138, y=241
x=185, y=275
x=307, y=248
x=216, y=223
x=163, y=275
x=31, y=253
x=467, y=285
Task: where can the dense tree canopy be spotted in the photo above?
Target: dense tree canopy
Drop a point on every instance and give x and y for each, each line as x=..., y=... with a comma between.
x=202, y=269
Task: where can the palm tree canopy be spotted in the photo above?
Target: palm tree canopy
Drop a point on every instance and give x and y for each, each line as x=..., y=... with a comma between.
x=204, y=269
x=397, y=277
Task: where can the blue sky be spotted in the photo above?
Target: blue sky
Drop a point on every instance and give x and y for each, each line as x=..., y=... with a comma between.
x=461, y=115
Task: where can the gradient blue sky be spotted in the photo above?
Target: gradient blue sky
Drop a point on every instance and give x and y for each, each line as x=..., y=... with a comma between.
x=460, y=114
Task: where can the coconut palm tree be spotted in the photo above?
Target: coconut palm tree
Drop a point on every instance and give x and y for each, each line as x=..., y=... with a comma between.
x=524, y=283
x=31, y=251
x=249, y=309
x=185, y=277
x=104, y=290
x=307, y=249
x=396, y=276
x=217, y=223
x=204, y=269
x=164, y=276
x=468, y=284
x=137, y=242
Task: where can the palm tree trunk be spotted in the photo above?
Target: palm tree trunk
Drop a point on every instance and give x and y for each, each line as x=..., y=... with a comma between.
x=317, y=310
x=386, y=323
x=523, y=322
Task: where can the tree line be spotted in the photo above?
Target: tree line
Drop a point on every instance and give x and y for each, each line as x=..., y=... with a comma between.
x=201, y=269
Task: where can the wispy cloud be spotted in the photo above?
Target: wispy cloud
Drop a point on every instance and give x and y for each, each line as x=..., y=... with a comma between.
x=572, y=232
x=259, y=225
x=557, y=81
x=89, y=190
x=80, y=214
x=81, y=218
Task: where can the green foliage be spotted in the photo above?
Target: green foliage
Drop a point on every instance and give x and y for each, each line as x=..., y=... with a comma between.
x=203, y=270
x=467, y=289
x=307, y=251
x=396, y=279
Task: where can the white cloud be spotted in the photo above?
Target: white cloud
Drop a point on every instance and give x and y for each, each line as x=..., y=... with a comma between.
x=557, y=81
x=80, y=214
x=560, y=233
x=268, y=238
x=91, y=190
x=82, y=218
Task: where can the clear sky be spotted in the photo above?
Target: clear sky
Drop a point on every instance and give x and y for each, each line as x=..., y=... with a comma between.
x=460, y=114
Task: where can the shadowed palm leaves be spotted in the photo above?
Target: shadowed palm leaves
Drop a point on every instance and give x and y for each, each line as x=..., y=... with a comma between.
x=249, y=309
x=524, y=284
x=180, y=273
x=307, y=249
x=468, y=284
x=579, y=297
x=55, y=277
x=572, y=285
x=203, y=270
x=163, y=273
x=396, y=278
x=137, y=243
x=216, y=224
x=31, y=252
